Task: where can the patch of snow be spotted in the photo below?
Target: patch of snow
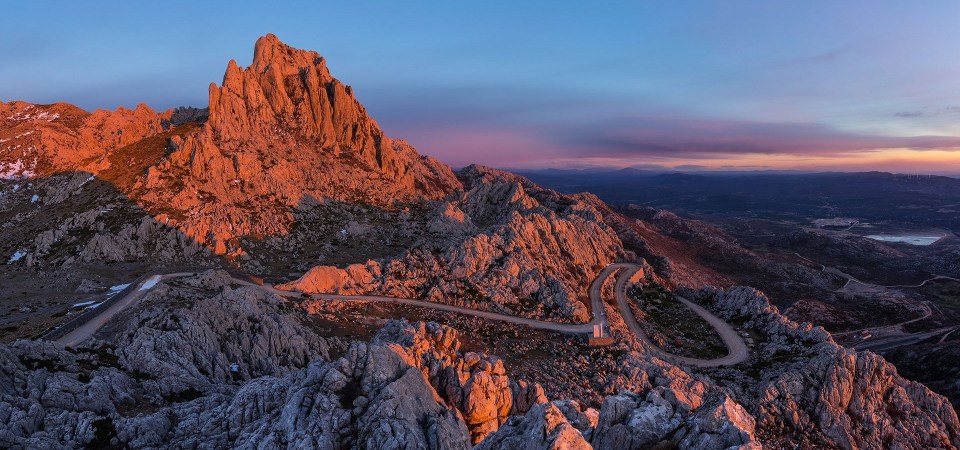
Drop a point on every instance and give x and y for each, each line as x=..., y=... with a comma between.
x=35, y=198
x=16, y=170
x=150, y=283
x=17, y=256
x=88, y=304
x=11, y=171
x=89, y=179
x=26, y=115
x=117, y=288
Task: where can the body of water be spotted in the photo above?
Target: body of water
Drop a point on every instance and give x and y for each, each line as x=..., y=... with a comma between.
x=908, y=239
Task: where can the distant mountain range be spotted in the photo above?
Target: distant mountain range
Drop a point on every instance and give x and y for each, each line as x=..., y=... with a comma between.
x=924, y=200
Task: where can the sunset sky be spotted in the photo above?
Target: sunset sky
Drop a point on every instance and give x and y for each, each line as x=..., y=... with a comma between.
x=811, y=85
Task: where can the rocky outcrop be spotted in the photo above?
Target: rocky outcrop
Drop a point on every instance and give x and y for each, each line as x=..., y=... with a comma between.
x=722, y=423
x=520, y=247
x=815, y=389
x=858, y=401
x=476, y=385
x=629, y=420
x=238, y=334
x=210, y=364
x=206, y=363
x=368, y=399
x=281, y=132
x=42, y=140
x=543, y=427
x=278, y=135
x=292, y=91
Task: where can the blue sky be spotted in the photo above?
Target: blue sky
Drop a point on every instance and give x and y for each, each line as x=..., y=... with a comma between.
x=854, y=85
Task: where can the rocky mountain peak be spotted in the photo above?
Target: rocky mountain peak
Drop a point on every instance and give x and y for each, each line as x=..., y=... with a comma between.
x=288, y=95
x=269, y=51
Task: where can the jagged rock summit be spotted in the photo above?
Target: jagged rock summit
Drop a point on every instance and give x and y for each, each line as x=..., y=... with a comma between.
x=281, y=135
x=292, y=90
x=288, y=98
x=284, y=131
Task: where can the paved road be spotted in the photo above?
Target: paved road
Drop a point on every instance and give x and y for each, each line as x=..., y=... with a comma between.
x=890, y=342
x=737, y=350
x=883, y=330
x=596, y=294
x=582, y=328
x=130, y=296
x=886, y=337
x=938, y=277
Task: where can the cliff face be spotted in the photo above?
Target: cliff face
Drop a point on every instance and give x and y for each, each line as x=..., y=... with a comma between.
x=288, y=101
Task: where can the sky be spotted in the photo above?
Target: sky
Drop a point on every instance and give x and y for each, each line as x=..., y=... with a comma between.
x=675, y=85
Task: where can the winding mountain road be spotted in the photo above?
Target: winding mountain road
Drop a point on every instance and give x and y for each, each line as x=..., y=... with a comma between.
x=570, y=328
x=737, y=348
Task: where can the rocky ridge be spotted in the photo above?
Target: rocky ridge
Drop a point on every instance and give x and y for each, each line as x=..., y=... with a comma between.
x=505, y=242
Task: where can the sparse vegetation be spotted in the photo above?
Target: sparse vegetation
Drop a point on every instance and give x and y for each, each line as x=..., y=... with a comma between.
x=673, y=326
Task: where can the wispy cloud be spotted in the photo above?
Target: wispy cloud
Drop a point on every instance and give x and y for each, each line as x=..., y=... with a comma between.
x=717, y=138
x=930, y=111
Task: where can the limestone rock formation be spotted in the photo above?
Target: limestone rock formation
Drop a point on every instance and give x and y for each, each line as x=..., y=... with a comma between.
x=278, y=135
x=41, y=140
x=518, y=242
x=850, y=399
x=281, y=132
x=543, y=427
x=476, y=385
